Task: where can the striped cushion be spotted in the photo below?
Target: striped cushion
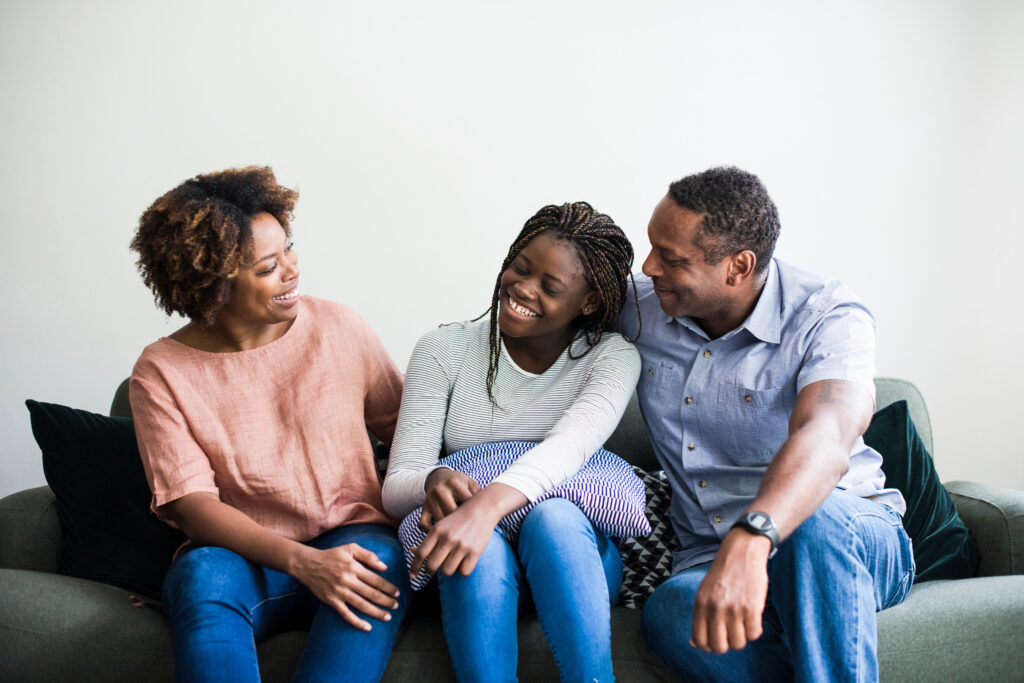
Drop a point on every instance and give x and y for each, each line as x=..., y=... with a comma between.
x=606, y=489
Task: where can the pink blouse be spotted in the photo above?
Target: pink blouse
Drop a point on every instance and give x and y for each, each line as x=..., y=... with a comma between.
x=279, y=431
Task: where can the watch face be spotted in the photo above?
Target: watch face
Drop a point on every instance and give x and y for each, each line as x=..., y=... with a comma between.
x=759, y=520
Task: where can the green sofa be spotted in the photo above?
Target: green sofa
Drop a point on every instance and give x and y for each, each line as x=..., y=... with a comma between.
x=54, y=627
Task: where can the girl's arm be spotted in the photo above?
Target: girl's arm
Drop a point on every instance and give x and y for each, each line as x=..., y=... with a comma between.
x=419, y=433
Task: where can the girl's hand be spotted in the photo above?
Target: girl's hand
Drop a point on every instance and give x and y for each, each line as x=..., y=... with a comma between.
x=455, y=543
x=445, y=490
x=346, y=577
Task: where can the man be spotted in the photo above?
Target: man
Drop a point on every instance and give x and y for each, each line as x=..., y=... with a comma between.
x=757, y=384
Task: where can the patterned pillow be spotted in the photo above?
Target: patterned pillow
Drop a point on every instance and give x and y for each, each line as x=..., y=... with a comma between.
x=606, y=489
x=647, y=560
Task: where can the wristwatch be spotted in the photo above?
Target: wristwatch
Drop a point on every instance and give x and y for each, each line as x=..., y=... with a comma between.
x=761, y=524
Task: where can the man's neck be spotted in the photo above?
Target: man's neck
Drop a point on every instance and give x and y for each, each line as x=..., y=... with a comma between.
x=733, y=311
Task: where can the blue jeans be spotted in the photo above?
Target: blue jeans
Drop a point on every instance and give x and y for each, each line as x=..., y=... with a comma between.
x=573, y=572
x=847, y=561
x=219, y=606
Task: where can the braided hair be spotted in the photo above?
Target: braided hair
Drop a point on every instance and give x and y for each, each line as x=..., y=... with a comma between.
x=607, y=258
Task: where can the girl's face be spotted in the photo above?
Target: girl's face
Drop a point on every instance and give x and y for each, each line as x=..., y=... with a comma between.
x=543, y=290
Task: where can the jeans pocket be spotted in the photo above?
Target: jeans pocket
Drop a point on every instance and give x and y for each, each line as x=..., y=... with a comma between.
x=905, y=558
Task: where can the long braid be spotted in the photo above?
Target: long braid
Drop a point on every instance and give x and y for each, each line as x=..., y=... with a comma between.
x=607, y=258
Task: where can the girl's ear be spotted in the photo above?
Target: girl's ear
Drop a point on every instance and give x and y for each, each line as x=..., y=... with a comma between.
x=591, y=302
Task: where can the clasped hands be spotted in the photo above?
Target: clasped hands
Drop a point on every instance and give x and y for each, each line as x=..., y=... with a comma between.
x=459, y=521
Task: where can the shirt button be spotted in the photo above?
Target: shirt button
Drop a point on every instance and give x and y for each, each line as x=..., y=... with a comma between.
x=703, y=483
x=718, y=519
x=748, y=398
x=707, y=353
x=689, y=400
x=650, y=372
x=691, y=445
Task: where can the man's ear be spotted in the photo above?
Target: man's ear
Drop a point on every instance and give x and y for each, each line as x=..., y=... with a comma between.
x=741, y=267
x=591, y=302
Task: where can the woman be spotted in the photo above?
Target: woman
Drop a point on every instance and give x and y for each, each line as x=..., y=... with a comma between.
x=251, y=422
x=546, y=369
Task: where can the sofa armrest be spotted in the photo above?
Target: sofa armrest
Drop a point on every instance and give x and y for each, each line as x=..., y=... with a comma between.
x=30, y=531
x=995, y=517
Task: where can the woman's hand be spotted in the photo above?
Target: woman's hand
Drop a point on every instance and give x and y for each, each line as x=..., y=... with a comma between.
x=445, y=490
x=455, y=543
x=345, y=577
x=342, y=577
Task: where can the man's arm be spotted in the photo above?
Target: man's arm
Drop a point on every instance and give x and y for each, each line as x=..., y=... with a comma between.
x=828, y=417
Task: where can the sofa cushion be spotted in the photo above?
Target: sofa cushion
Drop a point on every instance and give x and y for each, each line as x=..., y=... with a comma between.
x=92, y=464
x=943, y=547
x=647, y=560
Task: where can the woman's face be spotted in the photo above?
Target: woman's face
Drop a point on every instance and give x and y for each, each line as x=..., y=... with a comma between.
x=266, y=290
x=543, y=290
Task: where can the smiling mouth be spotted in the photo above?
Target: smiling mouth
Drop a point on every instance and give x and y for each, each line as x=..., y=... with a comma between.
x=519, y=309
x=661, y=291
x=290, y=296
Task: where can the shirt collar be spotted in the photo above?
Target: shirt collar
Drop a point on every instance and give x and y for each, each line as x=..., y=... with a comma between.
x=765, y=321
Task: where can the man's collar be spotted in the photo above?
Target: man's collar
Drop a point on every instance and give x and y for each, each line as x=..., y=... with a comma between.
x=765, y=321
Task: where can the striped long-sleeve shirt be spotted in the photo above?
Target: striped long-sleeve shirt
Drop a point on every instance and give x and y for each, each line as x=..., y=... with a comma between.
x=569, y=410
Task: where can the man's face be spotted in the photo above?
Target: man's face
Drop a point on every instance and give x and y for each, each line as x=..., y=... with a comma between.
x=684, y=282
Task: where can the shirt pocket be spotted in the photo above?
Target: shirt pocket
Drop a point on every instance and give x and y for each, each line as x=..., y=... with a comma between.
x=755, y=423
x=660, y=392
x=660, y=381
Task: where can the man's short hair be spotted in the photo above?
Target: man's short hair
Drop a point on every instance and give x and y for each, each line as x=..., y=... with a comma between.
x=736, y=213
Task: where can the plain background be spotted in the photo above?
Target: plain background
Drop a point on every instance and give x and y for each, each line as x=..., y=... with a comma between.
x=422, y=135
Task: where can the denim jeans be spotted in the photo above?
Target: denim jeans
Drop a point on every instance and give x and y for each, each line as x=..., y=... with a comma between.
x=847, y=561
x=219, y=606
x=570, y=568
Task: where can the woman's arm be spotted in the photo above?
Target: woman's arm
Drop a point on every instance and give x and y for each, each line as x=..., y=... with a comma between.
x=343, y=577
x=383, y=386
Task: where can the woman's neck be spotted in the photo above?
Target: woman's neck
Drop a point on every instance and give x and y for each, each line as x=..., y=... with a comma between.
x=223, y=337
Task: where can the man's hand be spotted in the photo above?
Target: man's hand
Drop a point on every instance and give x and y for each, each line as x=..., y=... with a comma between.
x=345, y=577
x=445, y=490
x=730, y=601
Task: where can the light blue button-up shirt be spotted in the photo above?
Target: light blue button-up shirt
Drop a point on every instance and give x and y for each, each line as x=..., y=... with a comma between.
x=718, y=410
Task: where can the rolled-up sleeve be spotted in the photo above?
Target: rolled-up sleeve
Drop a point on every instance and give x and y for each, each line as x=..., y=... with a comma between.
x=174, y=463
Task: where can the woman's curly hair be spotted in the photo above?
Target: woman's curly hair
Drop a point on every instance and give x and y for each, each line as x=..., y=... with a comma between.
x=193, y=240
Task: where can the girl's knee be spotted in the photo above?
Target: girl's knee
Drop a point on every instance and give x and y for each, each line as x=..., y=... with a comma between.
x=555, y=516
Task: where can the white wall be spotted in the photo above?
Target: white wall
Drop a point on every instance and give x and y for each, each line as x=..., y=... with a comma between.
x=422, y=135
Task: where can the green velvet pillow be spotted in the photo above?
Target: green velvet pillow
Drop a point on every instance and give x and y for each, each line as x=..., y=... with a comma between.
x=943, y=547
x=92, y=464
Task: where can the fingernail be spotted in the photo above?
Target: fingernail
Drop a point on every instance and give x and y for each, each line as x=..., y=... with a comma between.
x=387, y=617
x=366, y=627
x=397, y=594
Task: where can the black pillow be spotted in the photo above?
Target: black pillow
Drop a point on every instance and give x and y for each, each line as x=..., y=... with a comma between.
x=647, y=560
x=92, y=464
x=943, y=547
